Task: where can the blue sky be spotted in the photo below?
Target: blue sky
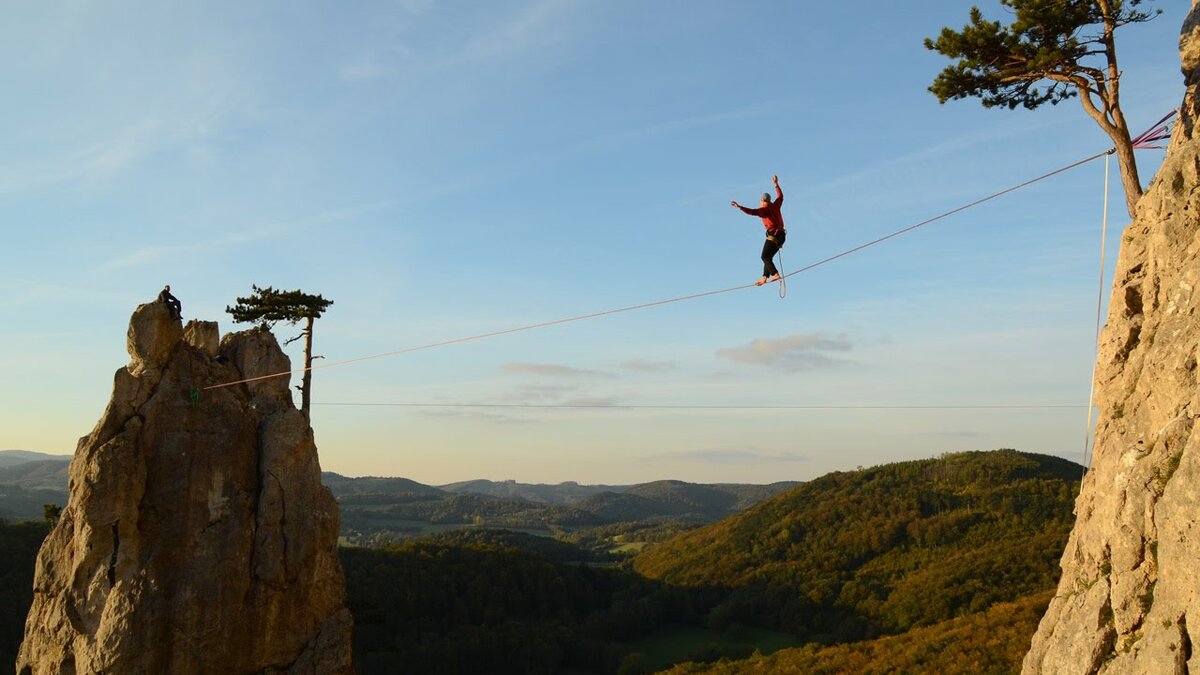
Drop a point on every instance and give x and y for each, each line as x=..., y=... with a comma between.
x=443, y=169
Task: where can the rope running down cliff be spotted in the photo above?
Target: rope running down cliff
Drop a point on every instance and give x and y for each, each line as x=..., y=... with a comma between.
x=1087, y=430
x=656, y=303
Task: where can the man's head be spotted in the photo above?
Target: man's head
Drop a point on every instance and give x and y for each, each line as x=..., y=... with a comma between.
x=766, y=199
x=167, y=288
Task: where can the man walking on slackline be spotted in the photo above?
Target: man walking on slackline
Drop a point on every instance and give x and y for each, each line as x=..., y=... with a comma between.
x=772, y=220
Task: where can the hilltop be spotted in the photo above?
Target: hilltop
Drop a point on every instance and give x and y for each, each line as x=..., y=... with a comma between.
x=881, y=550
x=15, y=457
x=37, y=475
x=399, y=507
x=27, y=484
x=560, y=494
x=345, y=486
x=378, y=509
x=568, y=493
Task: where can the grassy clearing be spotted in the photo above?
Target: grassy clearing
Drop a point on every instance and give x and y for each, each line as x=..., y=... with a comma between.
x=630, y=548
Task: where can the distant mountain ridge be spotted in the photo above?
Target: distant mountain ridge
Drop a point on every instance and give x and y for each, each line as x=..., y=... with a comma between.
x=37, y=475
x=571, y=492
x=344, y=486
x=30, y=480
x=15, y=457
x=30, y=483
x=403, y=507
x=561, y=494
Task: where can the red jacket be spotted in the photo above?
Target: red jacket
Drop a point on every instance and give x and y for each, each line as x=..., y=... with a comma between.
x=771, y=217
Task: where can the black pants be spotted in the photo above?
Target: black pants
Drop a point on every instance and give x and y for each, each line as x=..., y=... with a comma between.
x=771, y=246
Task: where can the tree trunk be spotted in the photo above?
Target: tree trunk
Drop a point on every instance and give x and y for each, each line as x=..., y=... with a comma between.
x=306, y=386
x=1112, y=121
x=1111, y=118
x=1129, y=174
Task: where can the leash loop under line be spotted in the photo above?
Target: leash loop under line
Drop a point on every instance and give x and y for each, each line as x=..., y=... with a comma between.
x=782, y=276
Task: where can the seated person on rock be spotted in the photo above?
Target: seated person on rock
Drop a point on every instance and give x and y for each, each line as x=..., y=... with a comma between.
x=172, y=302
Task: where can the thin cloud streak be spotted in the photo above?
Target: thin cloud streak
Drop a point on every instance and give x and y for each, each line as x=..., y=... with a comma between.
x=791, y=353
x=734, y=457
x=539, y=393
x=185, y=124
x=649, y=366
x=628, y=136
x=532, y=27
x=547, y=370
x=154, y=252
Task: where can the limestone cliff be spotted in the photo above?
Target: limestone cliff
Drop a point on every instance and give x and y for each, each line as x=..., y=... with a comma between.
x=1129, y=597
x=198, y=537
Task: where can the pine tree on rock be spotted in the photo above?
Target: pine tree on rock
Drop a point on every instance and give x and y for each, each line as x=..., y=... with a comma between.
x=1053, y=50
x=269, y=306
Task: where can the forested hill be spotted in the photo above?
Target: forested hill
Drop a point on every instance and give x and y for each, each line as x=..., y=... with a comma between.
x=14, y=457
x=861, y=553
x=722, y=498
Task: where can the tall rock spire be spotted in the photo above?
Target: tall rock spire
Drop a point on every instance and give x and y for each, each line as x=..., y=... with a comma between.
x=197, y=537
x=1129, y=597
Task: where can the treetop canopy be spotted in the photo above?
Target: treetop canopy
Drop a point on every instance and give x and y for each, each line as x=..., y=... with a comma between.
x=269, y=306
x=1047, y=40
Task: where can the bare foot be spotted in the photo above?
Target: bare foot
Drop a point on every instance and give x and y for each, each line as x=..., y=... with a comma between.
x=761, y=281
x=774, y=278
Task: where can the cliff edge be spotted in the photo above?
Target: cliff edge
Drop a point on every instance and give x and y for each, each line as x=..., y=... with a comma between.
x=1129, y=597
x=197, y=537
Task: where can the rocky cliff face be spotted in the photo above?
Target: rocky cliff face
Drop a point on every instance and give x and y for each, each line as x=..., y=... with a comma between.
x=1129, y=597
x=198, y=537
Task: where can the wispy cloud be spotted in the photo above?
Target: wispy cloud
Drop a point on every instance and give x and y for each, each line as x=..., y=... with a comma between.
x=955, y=434
x=484, y=415
x=593, y=401
x=19, y=292
x=154, y=252
x=649, y=366
x=547, y=370
x=537, y=25
x=115, y=139
x=890, y=172
x=519, y=31
x=792, y=353
x=539, y=393
x=509, y=408
x=556, y=395
x=735, y=457
x=637, y=134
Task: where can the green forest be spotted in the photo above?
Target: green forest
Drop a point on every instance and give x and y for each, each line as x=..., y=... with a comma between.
x=855, y=555
x=19, y=544
x=951, y=557
x=926, y=550
x=989, y=642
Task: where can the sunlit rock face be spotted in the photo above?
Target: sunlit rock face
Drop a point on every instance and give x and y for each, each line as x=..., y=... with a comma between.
x=1129, y=597
x=197, y=537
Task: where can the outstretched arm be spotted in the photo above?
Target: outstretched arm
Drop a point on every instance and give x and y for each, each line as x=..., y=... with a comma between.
x=778, y=190
x=749, y=212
